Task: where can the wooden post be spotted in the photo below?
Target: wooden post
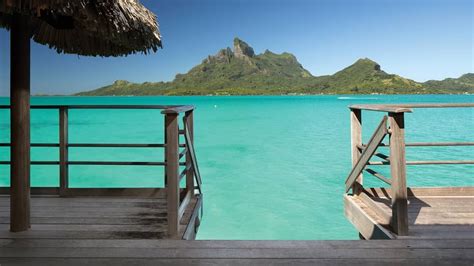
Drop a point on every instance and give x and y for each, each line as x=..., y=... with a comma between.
x=356, y=140
x=172, y=173
x=63, y=151
x=189, y=125
x=399, y=221
x=165, y=141
x=20, y=124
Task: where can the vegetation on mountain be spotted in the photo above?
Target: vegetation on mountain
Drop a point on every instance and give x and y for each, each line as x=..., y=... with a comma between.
x=239, y=71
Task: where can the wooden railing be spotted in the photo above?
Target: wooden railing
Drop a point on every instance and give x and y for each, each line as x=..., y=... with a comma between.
x=177, y=198
x=392, y=125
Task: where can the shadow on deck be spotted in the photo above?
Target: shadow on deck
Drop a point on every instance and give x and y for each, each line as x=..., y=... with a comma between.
x=100, y=218
x=433, y=213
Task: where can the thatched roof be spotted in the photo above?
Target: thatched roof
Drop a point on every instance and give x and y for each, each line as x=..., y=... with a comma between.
x=88, y=27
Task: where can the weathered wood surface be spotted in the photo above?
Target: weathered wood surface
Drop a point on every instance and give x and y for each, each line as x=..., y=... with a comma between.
x=188, y=124
x=20, y=123
x=178, y=109
x=172, y=173
x=356, y=141
x=63, y=150
x=367, y=153
x=168, y=252
x=367, y=225
x=448, y=216
x=406, y=108
x=171, y=108
x=424, y=162
x=94, y=218
x=399, y=221
x=95, y=192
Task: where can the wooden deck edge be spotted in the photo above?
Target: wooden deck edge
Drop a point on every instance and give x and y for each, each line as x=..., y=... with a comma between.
x=383, y=214
x=423, y=191
x=96, y=192
x=193, y=224
x=367, y=226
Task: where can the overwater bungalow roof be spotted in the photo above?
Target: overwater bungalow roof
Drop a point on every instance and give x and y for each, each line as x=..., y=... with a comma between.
x=90, y=28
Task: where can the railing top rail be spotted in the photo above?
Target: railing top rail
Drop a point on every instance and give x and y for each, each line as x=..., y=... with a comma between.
x=407, y=108
x=167, y=109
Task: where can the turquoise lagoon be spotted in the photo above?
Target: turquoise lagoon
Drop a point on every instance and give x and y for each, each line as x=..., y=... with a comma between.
x=273, y=166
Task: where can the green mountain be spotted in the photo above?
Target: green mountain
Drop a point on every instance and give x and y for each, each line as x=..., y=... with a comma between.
x=239, y=71
x=366, y=76
x=455, y=84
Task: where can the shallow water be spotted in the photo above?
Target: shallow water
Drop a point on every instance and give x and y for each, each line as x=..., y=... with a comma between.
x=273, y=167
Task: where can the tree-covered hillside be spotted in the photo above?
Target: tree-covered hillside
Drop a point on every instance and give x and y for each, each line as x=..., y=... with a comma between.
x=239, y=71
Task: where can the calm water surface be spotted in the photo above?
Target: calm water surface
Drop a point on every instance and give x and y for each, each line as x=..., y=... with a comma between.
x=273, y=166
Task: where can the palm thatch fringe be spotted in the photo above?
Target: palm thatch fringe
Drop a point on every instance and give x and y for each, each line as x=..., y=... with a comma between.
x=88, y=27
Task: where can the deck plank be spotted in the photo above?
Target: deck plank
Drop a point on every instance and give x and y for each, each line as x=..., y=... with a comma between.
x=449, y=215
x=227, y=253
x=169, y=252
x=91, y=218
x=240, y=261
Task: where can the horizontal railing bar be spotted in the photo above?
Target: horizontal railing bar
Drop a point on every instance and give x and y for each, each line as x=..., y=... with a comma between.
x=114, y=145
x=168, y=108
x=34, y=162
x=52, y=145
x=379, y=176
x=96, y=145
x=115, y=163
x=436, y=105
x=429, y=144
x=178, y=109
x=402, y=108
x=154, y=193
x=425, y=144
x=181, y=132
x=91, y=163
x=438, y=162
x=381, y=108
x=424, y=162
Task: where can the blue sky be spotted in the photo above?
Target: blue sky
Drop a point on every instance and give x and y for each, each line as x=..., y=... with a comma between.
x=418, y=39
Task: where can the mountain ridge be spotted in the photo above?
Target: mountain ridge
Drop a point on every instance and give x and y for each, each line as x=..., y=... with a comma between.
x=240, y=71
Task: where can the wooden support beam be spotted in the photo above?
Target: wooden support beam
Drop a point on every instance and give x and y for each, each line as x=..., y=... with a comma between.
x=172, y=173
x=63, y=151
x=368, y=152
x=356, y=140
x=184, y=204
x=189, y=127
x=20, y=123
x=367, y=226
x=399, y=221
x=164, y=151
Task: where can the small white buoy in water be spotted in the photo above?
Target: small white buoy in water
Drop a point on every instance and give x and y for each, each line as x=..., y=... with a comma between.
x=215, y=106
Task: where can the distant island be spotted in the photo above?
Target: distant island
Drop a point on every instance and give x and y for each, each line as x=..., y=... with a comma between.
x=239, y=71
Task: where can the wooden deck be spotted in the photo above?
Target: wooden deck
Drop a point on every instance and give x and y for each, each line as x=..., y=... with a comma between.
x=171, y=210
x=169, y=252
x=433, y=213
x=100, y=218
x=399, y=211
